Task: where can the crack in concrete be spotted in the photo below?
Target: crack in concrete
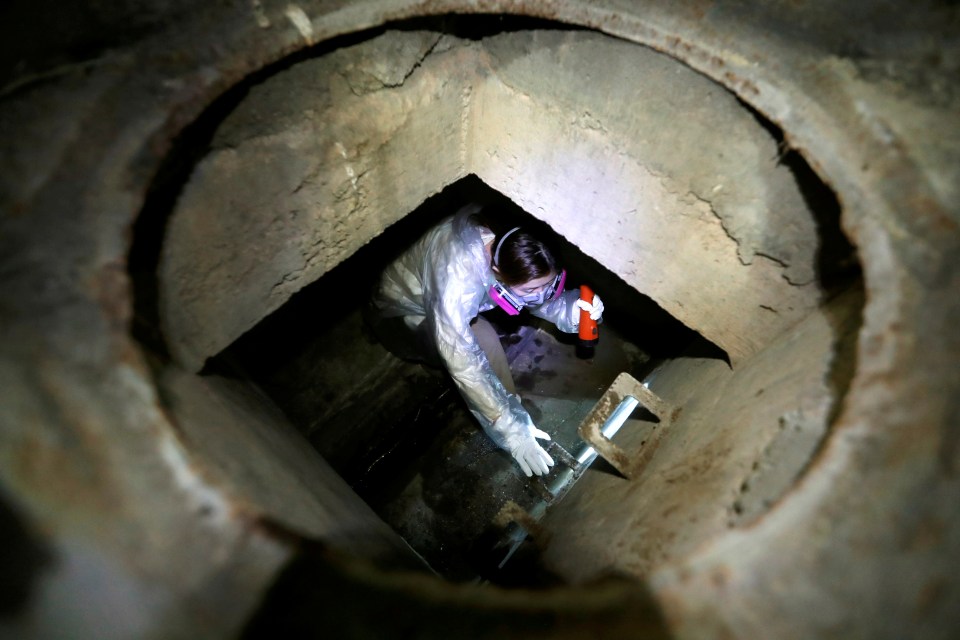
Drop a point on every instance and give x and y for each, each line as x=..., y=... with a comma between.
x=783, y=264
x=359, y=90
x=584, y=120
x=744, y=261
x=771, y=258
x=308, y=178
x=746, y=255
x=321, y=246
x=417, y=64
x=780, y=262
x=466, y=121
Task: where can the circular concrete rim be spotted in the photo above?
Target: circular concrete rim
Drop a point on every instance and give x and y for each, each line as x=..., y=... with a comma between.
x=761, y=93
x=835, y=149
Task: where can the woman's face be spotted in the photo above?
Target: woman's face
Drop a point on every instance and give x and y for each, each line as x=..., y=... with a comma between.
x=532, y=287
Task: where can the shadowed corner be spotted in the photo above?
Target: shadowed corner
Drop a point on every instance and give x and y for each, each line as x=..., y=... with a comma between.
x=22, y=558
x=321, y=591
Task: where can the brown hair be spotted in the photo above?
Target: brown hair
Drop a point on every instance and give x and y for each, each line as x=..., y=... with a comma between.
x=520, y=258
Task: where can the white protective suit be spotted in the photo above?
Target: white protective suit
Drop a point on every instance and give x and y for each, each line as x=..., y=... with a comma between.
x=443, y=280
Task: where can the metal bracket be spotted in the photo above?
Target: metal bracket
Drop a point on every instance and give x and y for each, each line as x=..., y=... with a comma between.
x=591, y=429
x=612, y=410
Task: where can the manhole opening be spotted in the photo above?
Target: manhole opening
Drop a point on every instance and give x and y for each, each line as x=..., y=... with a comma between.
x=396, y=431
x=399, y=432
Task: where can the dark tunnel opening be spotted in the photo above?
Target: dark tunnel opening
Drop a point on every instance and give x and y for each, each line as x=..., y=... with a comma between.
x=285, y=353
x=400, y=434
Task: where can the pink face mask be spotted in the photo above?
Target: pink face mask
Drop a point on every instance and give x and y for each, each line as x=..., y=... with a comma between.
x=513, y=303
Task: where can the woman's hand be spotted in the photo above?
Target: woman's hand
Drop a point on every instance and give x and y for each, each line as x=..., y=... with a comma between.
x=595, y=309
x=531, y=457
x=515, y=432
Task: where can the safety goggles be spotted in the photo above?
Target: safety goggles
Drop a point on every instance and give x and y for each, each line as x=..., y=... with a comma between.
x=513, y=303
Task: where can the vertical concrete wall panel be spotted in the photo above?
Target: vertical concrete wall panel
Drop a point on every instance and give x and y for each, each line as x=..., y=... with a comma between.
x=569, y=137
x=317, y=160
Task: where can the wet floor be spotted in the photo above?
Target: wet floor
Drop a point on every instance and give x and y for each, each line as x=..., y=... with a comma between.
x=457, y=509
x=401, y=436
x=437, y=479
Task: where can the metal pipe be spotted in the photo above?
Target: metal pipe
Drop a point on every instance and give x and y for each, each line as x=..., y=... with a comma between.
x=565, y=479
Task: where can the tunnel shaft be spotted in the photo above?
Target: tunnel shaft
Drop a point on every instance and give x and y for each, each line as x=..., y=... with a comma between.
x=748, y=517
x=279, y=198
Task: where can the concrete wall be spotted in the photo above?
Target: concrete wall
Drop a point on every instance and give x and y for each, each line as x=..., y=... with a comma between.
x=625, y=160
x=737, y=443
x=314, y=163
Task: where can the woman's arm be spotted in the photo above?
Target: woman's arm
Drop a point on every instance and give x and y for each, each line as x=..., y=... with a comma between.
x=561, y=311
x=453, y=299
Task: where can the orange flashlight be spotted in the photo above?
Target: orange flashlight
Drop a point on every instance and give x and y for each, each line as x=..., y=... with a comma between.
x=589, y=334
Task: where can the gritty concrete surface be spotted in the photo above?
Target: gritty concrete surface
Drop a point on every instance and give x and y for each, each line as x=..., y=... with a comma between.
x=594, y=99
x=722, y=462
x=311, y=165
x=323, y=148
x=87, y=571
x=428, y=469
x=96, y=478
x=301, y=493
